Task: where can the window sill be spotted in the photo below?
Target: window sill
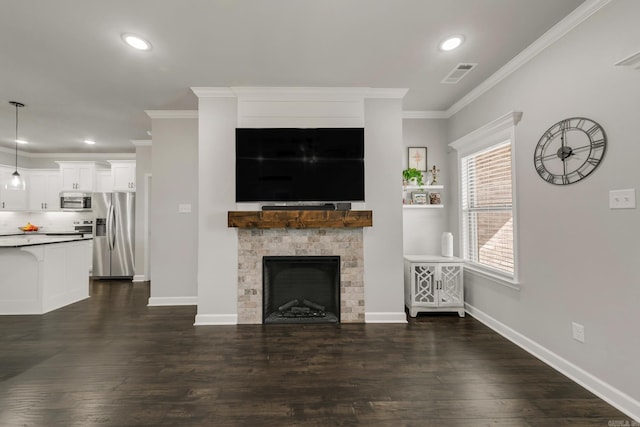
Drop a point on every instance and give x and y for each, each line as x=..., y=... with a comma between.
x=499, y=280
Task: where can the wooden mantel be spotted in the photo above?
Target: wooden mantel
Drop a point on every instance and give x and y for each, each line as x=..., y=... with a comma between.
x=300, y=219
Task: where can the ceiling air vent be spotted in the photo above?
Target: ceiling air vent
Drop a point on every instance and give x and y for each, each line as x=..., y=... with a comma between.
x=458, y=73
x=632, y=61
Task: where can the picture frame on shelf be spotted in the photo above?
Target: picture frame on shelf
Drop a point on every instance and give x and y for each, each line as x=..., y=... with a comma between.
x=434, y=199
x=417, y=158
x=419, y=198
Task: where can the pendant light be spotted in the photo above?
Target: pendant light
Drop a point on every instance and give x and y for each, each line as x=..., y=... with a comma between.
x=16, y=182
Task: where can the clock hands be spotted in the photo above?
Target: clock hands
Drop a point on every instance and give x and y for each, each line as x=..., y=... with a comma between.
x=566, y=152
x=562, y=152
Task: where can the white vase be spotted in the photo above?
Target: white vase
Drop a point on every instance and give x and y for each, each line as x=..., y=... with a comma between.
x=446, y=244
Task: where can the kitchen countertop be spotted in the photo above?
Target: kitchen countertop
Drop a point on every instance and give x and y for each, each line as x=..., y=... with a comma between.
x=18, y=240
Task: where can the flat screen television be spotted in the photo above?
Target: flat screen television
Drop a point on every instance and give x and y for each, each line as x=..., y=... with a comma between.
x=300, y=165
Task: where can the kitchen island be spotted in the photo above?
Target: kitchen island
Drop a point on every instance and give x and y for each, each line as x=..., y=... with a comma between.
x=40, y=273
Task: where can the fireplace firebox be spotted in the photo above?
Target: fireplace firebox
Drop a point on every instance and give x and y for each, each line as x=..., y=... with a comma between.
x=301, y=289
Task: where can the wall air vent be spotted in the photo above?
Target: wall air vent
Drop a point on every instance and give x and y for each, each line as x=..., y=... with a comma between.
x=458, y=73
x=632, y=61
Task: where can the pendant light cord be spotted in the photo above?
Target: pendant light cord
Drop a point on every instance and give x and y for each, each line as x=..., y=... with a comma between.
x=16, y=137
x=17, y=105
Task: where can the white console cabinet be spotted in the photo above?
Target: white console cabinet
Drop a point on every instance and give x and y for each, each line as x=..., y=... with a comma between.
x=433, y=283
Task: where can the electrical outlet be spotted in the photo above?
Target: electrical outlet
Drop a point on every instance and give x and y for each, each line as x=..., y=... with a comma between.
x=622, y=199
x=578, y=331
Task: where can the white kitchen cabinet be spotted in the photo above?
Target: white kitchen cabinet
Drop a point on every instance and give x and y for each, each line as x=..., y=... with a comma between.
x=123, y=174
x=433, y=283
x=44, y=190
x=44, y=275
x=12, y=200
x=78, y=176
x=90, y=256
x=104, y=181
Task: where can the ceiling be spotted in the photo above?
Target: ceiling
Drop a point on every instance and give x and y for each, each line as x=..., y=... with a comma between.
x=66, y=61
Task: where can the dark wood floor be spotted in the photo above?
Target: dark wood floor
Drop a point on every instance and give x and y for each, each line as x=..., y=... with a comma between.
x=111, y=360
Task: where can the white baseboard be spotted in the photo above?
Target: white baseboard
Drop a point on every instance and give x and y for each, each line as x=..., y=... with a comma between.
x=139, y=278
x=606, y=392
x=160, y=301
x=216, y=319
x=385, y=317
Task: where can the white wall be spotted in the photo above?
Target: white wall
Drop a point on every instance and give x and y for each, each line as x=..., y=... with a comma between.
x=422, y=228
x=578, y=258
x=143, y=167
x=217, y=244
x=383, y=263
x=174, y=243
x=8, y=158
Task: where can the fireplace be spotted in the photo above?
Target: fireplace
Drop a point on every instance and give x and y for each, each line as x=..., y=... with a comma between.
x=256, y=244
x=301, y=289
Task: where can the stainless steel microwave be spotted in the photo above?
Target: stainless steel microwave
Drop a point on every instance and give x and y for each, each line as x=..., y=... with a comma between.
x=75, y=201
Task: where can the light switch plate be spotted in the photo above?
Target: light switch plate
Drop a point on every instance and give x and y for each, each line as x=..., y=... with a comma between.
x=184, y=208
x=622, y=199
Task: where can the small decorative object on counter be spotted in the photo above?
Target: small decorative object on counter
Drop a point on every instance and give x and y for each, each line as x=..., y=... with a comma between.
x=29, y=227
x=434, y=175
x=434, y=198
x=446, y=244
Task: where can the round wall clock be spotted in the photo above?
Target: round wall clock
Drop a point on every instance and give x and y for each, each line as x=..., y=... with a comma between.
x=570, y=150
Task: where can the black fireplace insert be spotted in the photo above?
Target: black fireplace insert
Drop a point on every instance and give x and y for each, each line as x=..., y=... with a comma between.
x=301, y=289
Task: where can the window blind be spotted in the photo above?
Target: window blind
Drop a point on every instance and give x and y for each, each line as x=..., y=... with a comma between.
x=487, y=208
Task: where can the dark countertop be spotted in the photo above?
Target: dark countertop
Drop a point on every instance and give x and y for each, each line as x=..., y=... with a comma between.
x=32, y=239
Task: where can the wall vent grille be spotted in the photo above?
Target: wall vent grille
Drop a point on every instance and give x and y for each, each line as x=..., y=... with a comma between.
x=458, y=73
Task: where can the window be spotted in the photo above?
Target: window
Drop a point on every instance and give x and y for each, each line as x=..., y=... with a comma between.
x=487, y=209
x=487, y=206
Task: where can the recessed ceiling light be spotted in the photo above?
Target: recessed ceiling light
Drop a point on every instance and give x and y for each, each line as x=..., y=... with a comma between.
x=136, y=42
x=21, y=141
x=89, y=141
x=451, y=43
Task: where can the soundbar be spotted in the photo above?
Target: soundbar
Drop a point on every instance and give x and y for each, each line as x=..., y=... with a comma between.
x=323, y=207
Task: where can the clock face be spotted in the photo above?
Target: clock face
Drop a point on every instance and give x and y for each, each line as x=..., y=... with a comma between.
x=570, y=150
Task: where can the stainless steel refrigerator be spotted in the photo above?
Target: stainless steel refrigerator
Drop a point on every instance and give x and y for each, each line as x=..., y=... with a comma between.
x=113, y=234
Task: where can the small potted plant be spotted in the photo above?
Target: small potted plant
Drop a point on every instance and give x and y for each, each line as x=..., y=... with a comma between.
x=412, y=176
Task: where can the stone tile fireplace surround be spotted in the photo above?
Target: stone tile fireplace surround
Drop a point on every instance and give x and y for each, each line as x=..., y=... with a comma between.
x=347, y=243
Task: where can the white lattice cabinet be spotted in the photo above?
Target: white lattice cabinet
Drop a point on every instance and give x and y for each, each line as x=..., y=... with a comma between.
x=433, y=283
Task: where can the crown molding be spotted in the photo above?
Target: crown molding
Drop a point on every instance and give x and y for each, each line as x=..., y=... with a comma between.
x=213, y=92
x=141, y=142
x=386, y=93
x=575, y=18
x=83, y=156
x=298, y=93
x=424, y=115
x=254, y=93
x=492, y=130
x=172, y=114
